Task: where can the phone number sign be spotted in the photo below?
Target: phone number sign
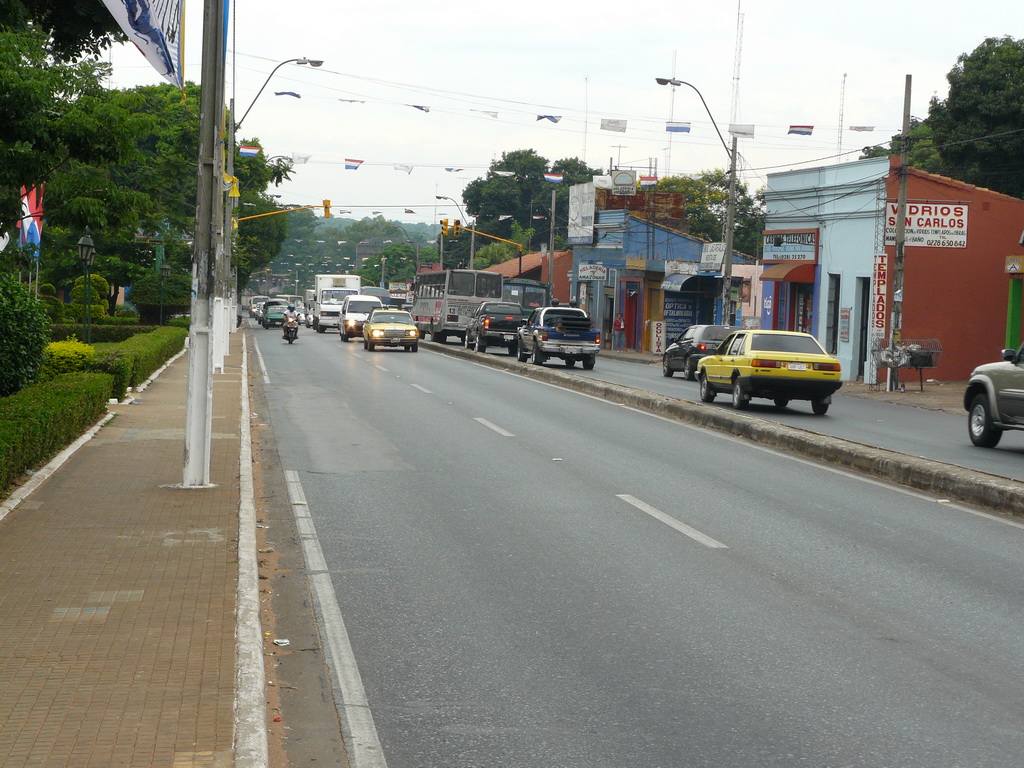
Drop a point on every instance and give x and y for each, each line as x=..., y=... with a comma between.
x=931, y=225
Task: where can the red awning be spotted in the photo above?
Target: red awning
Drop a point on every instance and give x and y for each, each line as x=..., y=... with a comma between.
x=789, y=272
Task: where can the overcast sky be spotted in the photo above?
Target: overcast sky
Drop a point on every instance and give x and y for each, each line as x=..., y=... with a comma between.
x=582, y=61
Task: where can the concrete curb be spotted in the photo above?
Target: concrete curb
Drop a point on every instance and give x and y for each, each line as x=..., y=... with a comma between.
x=946, y=481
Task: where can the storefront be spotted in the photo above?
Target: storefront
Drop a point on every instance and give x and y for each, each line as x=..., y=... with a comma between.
x=789, y=280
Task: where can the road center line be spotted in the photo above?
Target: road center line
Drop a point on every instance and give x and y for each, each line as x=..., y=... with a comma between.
x=363, y=741
x=421, y=389
x=671, y=522
x=495, y=427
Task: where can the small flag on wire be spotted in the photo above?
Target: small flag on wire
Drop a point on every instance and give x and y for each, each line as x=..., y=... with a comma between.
x=553, y=177
x=505, y=174
x=454, y=170
x=409, y=210
x=862, y=127
x=619, y=126
x=417, y=106
x=538, y=216
x=648, y=181
x=677, y=127
x=352, y=165
x=353, y=101
x=400, y=167
x=342, y=241
x=287, y=93
x=300, y=159
x=485, y=112
x=742, y=131
x=552, y=118
x=376, y=213
x=504, y=216
x=801, y=130
x=248, y=150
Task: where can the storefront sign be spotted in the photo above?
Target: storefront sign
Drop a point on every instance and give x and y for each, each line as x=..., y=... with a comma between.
x=712, y=255
x=791, y=245
x=581, y=214
x=680, y=268
x=844, y=324
x=681, y=311
x=658, y=337
x=878, y=314
x=624, y=183
x=593, y=272
x=932, y=225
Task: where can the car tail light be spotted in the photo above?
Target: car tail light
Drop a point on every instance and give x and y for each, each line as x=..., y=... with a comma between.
x=759, y=362
x=827, y=367
x=598, y=340
x=543, y=335
x=702, y=347
x=487, y=322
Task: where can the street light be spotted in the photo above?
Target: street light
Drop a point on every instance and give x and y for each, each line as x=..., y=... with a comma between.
x=730, y=209
x=465, y=219
x=300, y=61
x=86, y=254
x=165, y=272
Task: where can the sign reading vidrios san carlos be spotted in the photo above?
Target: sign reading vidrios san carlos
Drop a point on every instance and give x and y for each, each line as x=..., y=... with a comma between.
x=931, y=225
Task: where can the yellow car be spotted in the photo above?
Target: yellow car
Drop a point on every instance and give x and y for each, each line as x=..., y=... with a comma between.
x=777, y=365
x=390, y=328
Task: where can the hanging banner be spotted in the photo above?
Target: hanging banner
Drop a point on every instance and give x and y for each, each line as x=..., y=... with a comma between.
x=581, y=214
x=155, y=26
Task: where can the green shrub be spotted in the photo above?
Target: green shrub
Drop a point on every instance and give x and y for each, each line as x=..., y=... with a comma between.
x=54, y=308
x=26, y=332
x=119, y=364
x=180, y=322
x=102, y=333
x=176, y=292
x=39, y=421
x=71, y=356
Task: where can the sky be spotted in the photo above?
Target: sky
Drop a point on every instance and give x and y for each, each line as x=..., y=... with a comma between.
x=830, y=65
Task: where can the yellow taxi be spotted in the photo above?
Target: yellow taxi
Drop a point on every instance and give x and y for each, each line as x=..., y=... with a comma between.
x=390, y=328
x=776, y=365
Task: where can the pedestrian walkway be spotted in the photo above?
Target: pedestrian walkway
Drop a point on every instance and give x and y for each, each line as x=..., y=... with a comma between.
x=118, y=592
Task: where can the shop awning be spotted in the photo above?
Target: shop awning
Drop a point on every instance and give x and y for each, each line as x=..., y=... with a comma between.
x=789, y=272
x=678, y=282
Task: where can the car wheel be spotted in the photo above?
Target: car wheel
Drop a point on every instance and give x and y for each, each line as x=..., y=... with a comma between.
x=666, y=369
x=512, y=348
x=414, y=348
x=365, y=345
x=481, y=344
x=781, y=402
x=439, y=336
x=538, y=356
x=740, y=400
x=370, y=346
x=819, y=407
x=979, y=423
x=691, y=369
x=570, y=362
x=521, y=354
x=320, y=329
x=707, y=394
x=465, y=342
x=588, y=362
x=344, y=336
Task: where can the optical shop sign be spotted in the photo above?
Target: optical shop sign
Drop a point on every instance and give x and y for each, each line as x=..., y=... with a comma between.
x=932, y=225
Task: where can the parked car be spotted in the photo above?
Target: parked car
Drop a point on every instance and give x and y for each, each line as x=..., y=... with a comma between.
x=273, y=312
x=390, y=328
x=995, y=398
x=494, y=324
x=777, y=365
x=684, y=352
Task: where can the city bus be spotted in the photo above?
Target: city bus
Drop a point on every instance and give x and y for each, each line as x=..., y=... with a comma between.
x=527, y=293
x=444, y=300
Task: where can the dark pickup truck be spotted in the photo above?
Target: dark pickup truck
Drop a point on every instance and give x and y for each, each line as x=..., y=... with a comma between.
x=563, y=332
x=494, y=324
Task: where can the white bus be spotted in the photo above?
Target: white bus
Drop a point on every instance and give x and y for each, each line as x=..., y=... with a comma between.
x=444, y=300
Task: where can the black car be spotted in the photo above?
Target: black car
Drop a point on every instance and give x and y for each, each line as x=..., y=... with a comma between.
x=690, y=346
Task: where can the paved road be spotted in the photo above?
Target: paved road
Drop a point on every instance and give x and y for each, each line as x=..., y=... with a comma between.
x=533, y=577
x=918, y=432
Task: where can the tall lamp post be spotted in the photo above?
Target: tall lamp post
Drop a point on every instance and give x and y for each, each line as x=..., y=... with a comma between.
x=464, y=218
x=410, y=241
x=86, y=254
x=300, y=61
x=165, y=272
x=730, y=210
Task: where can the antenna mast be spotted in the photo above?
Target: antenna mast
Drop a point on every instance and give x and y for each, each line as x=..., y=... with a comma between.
x=842, y=108
x=736, y=64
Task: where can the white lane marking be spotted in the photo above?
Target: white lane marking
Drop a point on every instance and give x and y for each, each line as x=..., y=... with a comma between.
x=259, y=357
x=363, y=742
x=671, y=522
x=380, y=367
x=495, y=427
x=422, y=389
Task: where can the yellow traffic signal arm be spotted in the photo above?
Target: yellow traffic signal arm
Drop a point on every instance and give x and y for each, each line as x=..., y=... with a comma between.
x=274, y=213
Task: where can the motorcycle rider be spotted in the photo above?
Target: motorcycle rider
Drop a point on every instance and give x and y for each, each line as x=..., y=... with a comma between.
x=289, y=313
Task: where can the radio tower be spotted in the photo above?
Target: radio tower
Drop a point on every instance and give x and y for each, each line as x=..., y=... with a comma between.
x=734, y=114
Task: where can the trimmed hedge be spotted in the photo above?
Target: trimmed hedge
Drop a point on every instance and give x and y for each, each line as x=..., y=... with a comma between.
x=152, y=350
x=101, y=333
x=38, y=422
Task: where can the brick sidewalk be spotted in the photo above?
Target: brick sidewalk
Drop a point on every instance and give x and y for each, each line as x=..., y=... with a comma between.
x=117, y=595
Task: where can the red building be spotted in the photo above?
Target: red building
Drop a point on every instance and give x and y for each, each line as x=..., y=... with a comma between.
x=957, y=295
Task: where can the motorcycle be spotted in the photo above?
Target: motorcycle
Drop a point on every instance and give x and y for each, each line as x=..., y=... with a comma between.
x=291, y=329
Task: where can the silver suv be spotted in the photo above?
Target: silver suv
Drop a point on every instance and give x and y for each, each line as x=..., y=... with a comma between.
x=995, y=398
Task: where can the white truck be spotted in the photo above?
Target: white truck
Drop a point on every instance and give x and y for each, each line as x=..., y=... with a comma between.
x=331, y=291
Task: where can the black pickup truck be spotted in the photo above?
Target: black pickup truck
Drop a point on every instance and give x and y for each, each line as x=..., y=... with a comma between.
x=494, y=324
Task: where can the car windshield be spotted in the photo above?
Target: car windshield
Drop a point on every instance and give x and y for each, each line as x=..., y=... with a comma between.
x=362, y=306
x=715, y=335
x=392, y=317
x=783, y=342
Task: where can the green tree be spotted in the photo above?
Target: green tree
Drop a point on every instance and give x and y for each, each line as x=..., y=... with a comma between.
x=73, y=29
x=707, y=198
x=979, y=128
x=26, y=334
x=921, y=148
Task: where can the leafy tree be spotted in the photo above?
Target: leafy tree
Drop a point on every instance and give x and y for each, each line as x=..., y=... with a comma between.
x=23, y=341
x=73, y=28
x=707, y=198
x=921, y=148
x=979, y=128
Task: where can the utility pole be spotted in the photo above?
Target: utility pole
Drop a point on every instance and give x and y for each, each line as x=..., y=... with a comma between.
x=730, y=222
x=896, y=331
x=551, y=233
x=208, y=242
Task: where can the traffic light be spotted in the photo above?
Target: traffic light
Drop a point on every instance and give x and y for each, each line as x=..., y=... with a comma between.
x=327, y=209
x=444, y=227
x=457, y=228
